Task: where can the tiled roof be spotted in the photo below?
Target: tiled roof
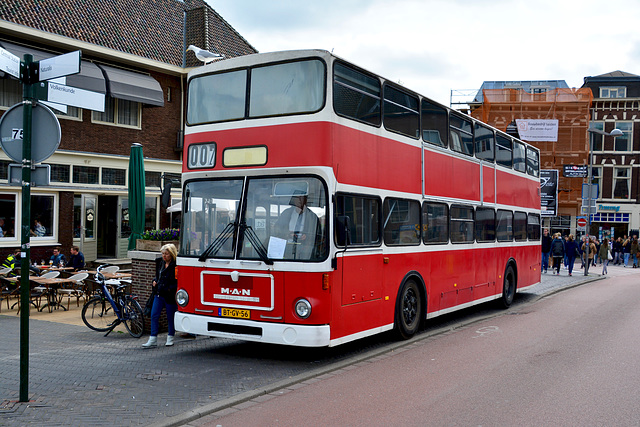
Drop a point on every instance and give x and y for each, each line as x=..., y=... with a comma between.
x=617, y=73
x=150, y=29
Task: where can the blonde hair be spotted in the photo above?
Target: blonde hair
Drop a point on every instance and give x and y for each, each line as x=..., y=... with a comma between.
x=171, y=249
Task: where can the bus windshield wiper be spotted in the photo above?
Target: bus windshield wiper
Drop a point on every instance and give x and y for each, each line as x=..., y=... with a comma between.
x=219, y=241
x=255, y=241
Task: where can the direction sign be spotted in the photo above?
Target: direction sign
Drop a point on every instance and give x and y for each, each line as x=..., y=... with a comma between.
x=9, y=63
x=73, y=96
x=58, y=66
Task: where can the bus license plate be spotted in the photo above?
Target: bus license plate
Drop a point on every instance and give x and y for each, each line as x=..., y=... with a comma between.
x=235, y=313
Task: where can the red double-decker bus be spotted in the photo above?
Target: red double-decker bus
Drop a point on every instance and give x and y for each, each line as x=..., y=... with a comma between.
x=323, y=203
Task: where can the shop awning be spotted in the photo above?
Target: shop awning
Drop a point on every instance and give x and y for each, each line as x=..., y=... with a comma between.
x=89, y=78
x=130, y=86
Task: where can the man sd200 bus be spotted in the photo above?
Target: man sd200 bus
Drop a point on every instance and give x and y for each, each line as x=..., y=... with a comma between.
x=323, y=203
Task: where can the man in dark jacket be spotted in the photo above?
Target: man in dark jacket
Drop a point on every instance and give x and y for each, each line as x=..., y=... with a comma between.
x=546, y=249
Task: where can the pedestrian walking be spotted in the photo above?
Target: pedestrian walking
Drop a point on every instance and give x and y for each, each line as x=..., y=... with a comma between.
x=571, y=252
x=604, y=255
x=557, y=252
x=626, y=249
x=617, y=251
x=546, y=249
x=592, y=253
x=165, y=285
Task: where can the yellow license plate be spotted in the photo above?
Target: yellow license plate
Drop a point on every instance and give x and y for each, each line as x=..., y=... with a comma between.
x=235, y=313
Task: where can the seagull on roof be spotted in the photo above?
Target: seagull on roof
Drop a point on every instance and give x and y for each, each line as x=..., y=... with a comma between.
x=204, y=55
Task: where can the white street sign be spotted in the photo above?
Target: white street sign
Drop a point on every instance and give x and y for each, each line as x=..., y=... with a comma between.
x=58, y=66
x=75, y=97
x=9, y=63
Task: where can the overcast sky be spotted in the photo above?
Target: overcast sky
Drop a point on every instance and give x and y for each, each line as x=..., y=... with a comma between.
x=434, y=46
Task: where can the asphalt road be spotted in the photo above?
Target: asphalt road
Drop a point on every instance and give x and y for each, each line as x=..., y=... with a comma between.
x=78, y=377
x=569, y=359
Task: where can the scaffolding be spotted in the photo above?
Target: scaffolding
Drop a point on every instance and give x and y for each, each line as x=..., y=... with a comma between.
x=571, y=107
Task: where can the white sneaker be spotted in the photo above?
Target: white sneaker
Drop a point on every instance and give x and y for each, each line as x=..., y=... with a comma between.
x=169, y=341
x=153, y=342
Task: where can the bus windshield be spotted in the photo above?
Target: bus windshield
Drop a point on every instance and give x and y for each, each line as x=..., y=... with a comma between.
x=277, y=89
x=283, y=219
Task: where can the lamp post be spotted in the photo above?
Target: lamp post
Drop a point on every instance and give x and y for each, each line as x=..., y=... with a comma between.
x=614, y=133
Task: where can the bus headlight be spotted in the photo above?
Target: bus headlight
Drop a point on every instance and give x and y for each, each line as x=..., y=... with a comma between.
x=182, y=298
x=303, y=308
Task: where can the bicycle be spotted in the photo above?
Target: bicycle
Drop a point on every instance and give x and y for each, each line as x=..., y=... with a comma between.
x=103, y=312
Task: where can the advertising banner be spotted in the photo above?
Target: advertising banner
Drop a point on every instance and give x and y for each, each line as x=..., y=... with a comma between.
x=538, y=130
x=549, y=192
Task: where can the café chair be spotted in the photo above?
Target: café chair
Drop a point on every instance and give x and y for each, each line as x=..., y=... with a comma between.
x=76, y=289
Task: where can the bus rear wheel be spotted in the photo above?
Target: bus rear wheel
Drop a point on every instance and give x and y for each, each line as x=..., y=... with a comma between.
x=408, y=310
x=508, y=287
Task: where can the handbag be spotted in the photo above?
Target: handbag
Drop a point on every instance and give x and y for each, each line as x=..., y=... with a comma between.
x=609, y=256
x=149, y=305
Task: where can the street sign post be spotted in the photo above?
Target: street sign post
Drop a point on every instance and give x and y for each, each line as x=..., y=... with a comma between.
x=59, y=66
x=32, y=75
x=9, y=63
x=73, y=96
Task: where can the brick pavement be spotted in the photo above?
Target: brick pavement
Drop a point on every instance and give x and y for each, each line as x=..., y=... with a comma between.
x=78, y=377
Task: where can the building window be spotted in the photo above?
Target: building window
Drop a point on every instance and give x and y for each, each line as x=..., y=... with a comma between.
x=113, y=176
x=42, y=208
x=613, y=92
x=152, y=179
x=621, y=183
x=625, y=141
x=597, y=140
x=150, y=211
x=85, y=175
x=119, y=112
x=60, y=173
x=7, y=215
x=4, y=169
x=10, y=92
x=596, y=178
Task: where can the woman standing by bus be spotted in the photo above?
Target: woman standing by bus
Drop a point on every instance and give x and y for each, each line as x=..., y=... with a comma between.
x=165, y=286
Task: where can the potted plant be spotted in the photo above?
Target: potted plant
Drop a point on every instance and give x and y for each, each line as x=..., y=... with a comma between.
x=153, y=240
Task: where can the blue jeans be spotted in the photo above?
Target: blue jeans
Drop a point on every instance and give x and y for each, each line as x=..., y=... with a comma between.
x=158, y=304
x=545, y=261
x=626, y=258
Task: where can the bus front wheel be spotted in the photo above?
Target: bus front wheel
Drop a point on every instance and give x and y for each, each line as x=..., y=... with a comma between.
x=408, y=310
x=508, y=287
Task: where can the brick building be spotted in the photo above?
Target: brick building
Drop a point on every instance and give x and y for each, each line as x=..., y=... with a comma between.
x=134, y=52
x=616, y=162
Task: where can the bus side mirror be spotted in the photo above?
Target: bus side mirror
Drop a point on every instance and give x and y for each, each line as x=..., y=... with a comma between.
x=343, y=231
x=166, y=193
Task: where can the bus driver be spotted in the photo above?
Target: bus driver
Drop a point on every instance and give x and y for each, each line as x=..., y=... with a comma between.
x=300, y=227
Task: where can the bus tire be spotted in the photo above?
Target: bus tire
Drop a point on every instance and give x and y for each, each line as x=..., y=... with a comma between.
x=509, y=287
x=408, y=310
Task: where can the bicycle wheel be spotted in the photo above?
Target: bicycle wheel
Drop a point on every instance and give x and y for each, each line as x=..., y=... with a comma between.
x=97, y=314
x=133, y=317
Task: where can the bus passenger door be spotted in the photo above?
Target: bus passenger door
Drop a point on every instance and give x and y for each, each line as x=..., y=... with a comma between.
x=361, y=275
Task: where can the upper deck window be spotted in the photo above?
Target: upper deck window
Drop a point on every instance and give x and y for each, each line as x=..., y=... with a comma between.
x=401, y=112
x=278, y=89
x=290, y=88
x=356, y=95
x=434, y=123
x=461, y=131
x=217, y=97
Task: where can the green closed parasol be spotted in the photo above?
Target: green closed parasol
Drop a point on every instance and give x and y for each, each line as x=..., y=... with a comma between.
x=136, y=194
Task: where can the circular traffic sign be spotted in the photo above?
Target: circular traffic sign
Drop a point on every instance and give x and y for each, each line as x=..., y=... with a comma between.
x=45, y=132
x=582, y=222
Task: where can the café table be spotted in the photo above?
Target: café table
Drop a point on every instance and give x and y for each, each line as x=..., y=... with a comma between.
x=52, y=286
x=110, y=275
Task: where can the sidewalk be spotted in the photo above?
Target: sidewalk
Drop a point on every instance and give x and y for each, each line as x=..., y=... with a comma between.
x=78, y=377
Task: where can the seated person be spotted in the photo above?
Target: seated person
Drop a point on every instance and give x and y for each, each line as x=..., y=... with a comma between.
x=76, y=260
x=58, y=257
x=300, y=227
x=12, y=261
x=39, y=230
